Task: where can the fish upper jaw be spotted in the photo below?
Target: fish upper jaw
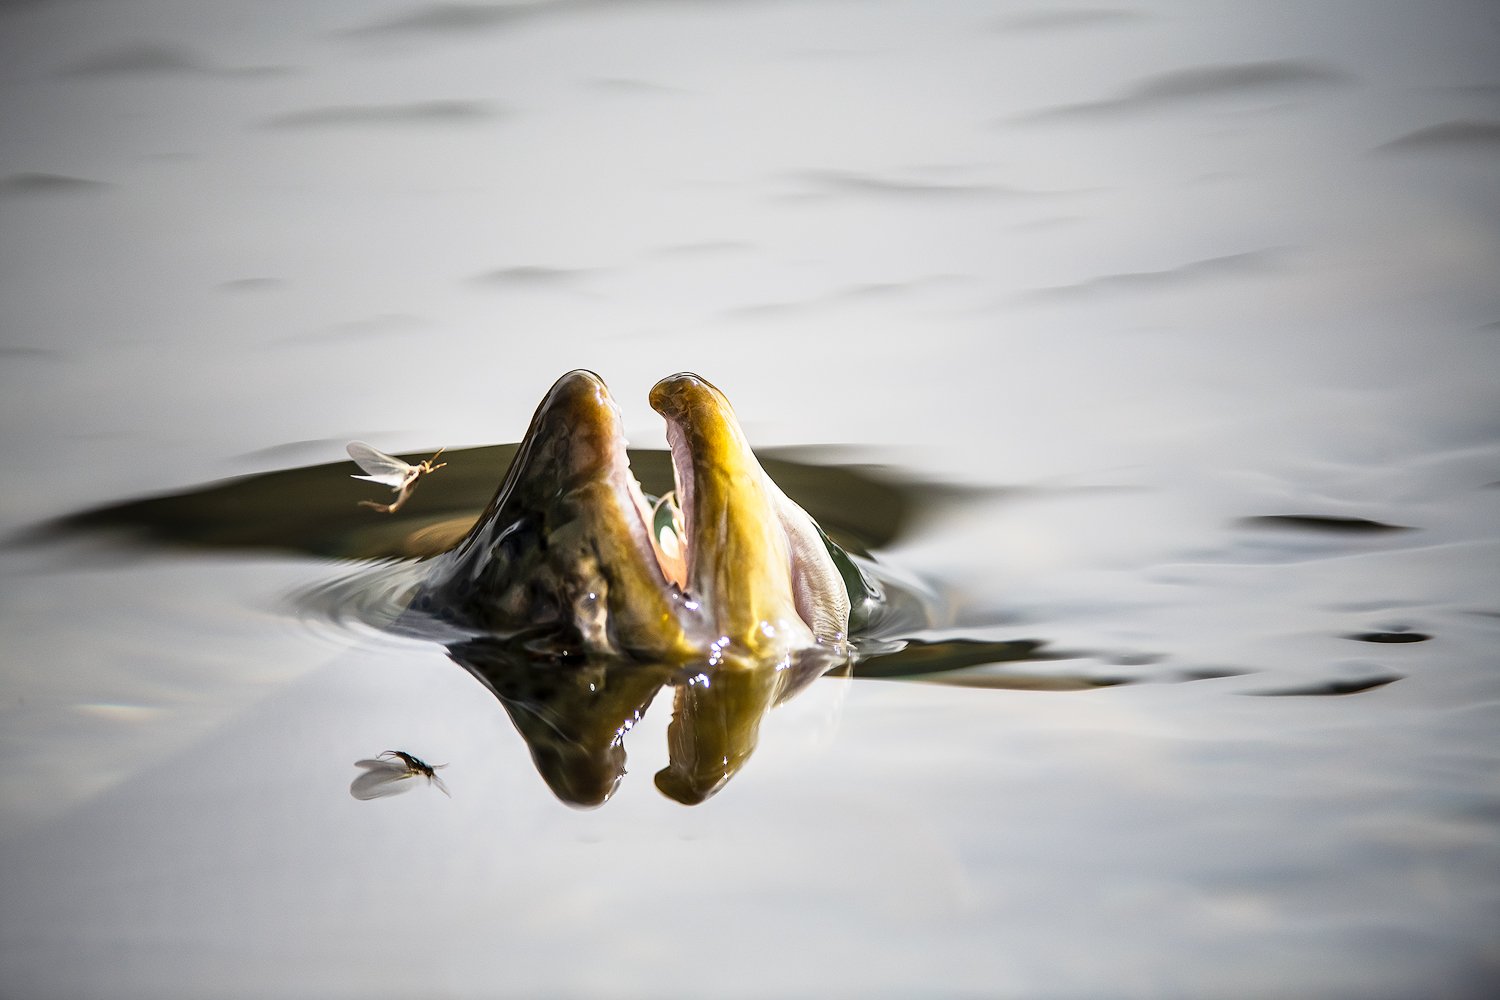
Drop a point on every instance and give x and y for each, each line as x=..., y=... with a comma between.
x=564, y=552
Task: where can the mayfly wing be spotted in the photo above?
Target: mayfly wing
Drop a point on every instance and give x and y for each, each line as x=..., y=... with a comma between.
x=380, y=779
x=387, y=470
x=387, y=774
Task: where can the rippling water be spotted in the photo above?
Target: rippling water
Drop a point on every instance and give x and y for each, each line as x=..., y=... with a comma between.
x=1175, y=324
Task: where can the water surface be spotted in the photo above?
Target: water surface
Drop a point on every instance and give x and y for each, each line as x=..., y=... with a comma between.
x=1181, y=318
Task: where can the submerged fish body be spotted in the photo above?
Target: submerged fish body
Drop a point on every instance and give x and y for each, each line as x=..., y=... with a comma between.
x=567, y=557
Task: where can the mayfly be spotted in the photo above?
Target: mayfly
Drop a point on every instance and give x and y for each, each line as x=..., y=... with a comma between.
x=388, y=775
x=388, y=470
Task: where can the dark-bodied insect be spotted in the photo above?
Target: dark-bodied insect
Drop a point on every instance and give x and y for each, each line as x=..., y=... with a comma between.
x=388, y=470
x=388, y=774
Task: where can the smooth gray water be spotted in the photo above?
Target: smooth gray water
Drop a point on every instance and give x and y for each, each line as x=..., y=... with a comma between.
x=1126, y=279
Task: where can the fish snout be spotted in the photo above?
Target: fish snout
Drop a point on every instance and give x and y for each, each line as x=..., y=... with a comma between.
x=578, y=425
x=690, y=400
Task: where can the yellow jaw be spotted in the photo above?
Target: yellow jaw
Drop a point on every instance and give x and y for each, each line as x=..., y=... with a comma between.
x=755, y=559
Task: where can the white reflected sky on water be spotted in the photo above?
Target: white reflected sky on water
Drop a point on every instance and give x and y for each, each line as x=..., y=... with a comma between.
x=1100, y=831
x=1225, y=259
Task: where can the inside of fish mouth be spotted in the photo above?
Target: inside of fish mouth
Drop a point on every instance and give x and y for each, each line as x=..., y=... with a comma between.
x=662, y=516
x=663, y=522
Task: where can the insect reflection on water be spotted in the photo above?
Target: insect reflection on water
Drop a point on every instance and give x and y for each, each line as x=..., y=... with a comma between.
x=388, y=470
x=388, y=775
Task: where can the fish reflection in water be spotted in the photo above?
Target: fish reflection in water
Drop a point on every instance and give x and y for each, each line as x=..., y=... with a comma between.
x=390, y=774
x=574, y=714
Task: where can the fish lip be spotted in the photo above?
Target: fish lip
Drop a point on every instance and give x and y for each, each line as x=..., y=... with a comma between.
x=726, y=516
x=624, y=477
x=683, y=482
x=621, y=471
x=673, y=398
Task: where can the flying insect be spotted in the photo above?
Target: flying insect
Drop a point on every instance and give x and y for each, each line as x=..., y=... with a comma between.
x=388, y=470
x=387, y=775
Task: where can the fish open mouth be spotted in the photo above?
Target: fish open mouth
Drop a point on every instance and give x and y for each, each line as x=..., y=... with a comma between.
x=572, y=546
x=578, y=595
x=669, y=537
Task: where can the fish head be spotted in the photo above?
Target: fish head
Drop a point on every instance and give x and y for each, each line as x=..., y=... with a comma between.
x=566, y=553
